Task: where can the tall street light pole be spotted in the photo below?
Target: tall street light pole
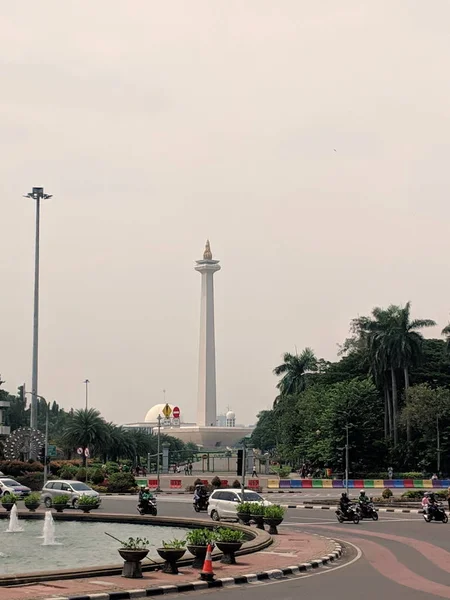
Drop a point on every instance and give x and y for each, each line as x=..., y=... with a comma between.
x=86, y=383
x=158, y=471
x=37, y=194
x=346, y=459
x=47, y=409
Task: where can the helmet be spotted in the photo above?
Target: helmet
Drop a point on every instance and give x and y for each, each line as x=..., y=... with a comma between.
x=363, y=492
x=146, y=489
x=344, y=495
x=142, y=487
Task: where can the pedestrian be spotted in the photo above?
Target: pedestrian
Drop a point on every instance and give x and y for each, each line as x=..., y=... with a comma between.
x=254, y=473
x=190, y=468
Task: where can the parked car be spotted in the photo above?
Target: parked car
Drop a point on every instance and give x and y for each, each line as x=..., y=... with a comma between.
x=74, y=489
x=11, y=486
x=223, y=504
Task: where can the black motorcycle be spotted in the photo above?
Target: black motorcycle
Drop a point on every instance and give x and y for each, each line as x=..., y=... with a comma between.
x=201, y=504
x=368, y=511
x=147, y=507
x=436, y=513
x=352, y=515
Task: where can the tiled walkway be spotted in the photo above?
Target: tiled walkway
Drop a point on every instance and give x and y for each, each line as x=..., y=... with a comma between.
x=288, y=549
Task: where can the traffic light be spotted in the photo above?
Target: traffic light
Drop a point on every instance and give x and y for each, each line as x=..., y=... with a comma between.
x=21, y=393
x=240, y=457
x=42, y=455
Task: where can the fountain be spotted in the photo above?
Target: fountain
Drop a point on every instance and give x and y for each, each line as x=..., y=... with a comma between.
x=14, y=526
x=49, y=530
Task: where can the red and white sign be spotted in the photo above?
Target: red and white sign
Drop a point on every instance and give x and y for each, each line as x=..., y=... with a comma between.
x=80, y=451
x=176, y=412
x=86, y=452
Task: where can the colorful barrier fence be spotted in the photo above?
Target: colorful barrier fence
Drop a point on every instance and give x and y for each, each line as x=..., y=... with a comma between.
x=293, y=484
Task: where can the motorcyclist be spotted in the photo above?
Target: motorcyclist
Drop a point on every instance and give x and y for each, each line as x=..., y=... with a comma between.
x=344, y=503
x=425, y=502
x=432, y=503
x=363, y=501
x=145, y=498
x=200, y=494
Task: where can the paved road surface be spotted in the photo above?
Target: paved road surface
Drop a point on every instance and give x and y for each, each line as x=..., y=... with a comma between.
x=400, y=556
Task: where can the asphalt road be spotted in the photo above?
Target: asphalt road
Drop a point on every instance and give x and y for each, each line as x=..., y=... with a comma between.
x=400, y=556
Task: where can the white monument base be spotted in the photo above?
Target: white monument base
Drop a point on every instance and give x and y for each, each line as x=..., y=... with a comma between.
x=211, y=438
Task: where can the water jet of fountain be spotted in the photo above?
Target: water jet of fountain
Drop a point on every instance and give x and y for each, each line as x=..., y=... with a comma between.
x=14, y=526
x=49, y=530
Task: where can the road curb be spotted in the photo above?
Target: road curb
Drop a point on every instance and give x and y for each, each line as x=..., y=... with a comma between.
x=389, y=510
x=217, y=583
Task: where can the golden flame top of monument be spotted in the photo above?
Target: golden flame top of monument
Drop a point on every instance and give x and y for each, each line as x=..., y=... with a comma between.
x=207, y=254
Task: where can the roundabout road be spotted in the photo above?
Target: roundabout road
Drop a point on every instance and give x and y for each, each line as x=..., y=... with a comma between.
x=400, y=556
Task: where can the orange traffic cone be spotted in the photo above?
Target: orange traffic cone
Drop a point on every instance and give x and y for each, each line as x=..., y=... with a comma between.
x=207, y=573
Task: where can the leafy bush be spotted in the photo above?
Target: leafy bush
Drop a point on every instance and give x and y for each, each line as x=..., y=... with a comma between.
x=257, y=508
x=200, y=537
x=14, y=468
x=8, y=498
x=101, y=489
x=225, y=534
x=97, y=476
x=245, y=507
x=33, y=498
x=236, y=484
x=178, y=544
x=87, y=500
x=135, y=544
x=274, y=511
x=34, y=481
x=282, y=472
x=67, y=473
x=413, y=495
x=387, y=493
x=216, y=482
x=112, y=467
x=198, y=482
x=121, y=482
x=60, y=500
x=81, y=474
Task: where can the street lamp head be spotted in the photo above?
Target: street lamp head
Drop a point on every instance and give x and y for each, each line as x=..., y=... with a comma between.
x=37, y=193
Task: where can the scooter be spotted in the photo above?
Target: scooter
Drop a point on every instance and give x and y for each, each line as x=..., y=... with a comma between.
x=147, y=507
x=368, y=511
x=201, y=504
x=353, y=514
x=437, y=514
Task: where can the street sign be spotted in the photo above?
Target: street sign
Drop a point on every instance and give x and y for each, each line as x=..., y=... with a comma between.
x=80, y=451
x=176, y=422
x=86, y=452
x=51, y=450
x=176, y=412
x=167, y=411
x=166, y=422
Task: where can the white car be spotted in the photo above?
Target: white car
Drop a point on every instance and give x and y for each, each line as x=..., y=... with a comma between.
x=223, y=504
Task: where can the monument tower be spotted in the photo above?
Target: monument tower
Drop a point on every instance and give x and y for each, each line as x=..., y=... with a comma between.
x=206, y=407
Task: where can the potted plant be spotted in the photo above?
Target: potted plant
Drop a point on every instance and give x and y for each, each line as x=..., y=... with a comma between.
x=8, y=501
x=133, y=551
x=171, y=552
x=33, y=501
x=229, y=541
x=243, y=512
x=198, y=540
x=87, y=503
x=257, y=514
x=59, y=503
x=273, y=516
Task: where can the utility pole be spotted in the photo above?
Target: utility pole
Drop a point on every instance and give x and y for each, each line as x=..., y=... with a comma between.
x=86, y=383
x=346, y=458
x=438, y=445
x=244, y=464
x=37, y=194
x=46, y=442
x=158, y=488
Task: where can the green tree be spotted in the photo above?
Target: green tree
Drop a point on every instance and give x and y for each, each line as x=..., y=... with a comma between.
x=446, y=332
x=264, y=436
x=86, y=429
x=294, y=371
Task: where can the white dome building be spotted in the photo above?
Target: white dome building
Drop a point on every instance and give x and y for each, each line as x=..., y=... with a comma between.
x=231, y=419
x=152, y=415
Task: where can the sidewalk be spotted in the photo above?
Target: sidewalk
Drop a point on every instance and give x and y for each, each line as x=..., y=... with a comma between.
x=288, y=552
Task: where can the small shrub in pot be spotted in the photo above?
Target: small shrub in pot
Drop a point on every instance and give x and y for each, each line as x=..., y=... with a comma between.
x=33, y=501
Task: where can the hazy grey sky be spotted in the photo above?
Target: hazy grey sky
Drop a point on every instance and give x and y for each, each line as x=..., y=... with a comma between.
x=158, y=124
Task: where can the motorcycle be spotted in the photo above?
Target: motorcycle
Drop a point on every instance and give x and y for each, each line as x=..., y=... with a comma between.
x=201, y=504
x=353, y=514
x=147, y=507
x=437, y=513
x=368, y=511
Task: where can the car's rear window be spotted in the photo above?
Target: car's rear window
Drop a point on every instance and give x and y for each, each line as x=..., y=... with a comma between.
x=251, y=497
x=10, y=482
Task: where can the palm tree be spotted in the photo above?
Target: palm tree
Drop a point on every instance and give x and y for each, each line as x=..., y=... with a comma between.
x=293, y=372
x=446, y=332
x=394, y=343
x=86, y=429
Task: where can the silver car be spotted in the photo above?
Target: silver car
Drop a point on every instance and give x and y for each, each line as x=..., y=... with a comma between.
x=73, y=489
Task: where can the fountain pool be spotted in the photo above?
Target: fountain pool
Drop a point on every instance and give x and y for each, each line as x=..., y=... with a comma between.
x=77, y=545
